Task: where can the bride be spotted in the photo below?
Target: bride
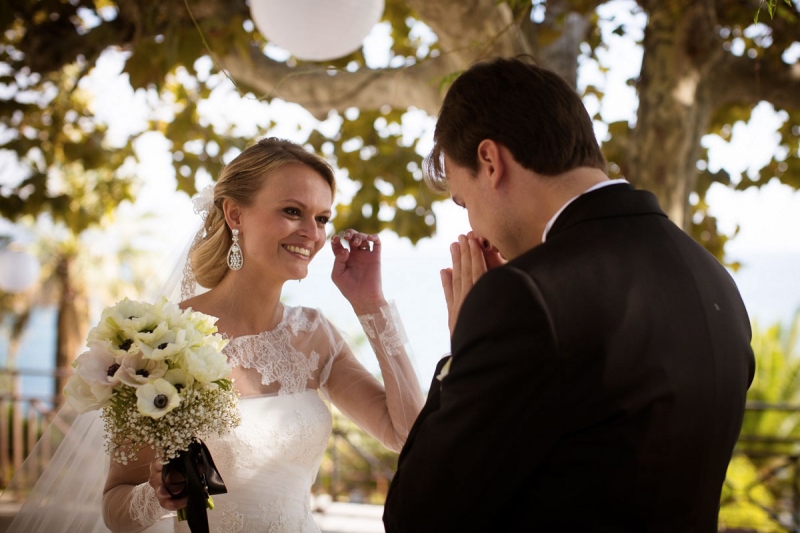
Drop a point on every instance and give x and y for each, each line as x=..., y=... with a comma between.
x=266, y=222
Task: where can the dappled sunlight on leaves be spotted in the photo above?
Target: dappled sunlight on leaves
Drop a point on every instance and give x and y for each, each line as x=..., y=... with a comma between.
x=760, y=476
x=743, y=499
x=385, y=172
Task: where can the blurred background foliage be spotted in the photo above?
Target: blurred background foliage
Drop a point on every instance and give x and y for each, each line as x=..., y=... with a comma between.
x=178, y=52
x=762, y=488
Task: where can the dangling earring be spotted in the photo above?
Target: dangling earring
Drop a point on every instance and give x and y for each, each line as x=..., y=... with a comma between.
x=235, y=258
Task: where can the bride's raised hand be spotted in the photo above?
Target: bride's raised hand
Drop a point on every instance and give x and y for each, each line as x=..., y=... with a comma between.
x=357, y=271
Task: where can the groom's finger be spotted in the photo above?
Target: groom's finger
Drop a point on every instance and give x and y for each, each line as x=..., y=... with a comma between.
x=455, y=252
x=447, y=285
x=493, y=258
x=476, y=258
x=466, y=266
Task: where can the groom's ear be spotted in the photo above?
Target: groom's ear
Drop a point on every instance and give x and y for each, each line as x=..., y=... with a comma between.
x=233, y=213
x=490, y=162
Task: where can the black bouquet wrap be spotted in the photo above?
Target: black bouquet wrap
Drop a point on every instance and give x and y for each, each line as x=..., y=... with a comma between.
x=193, y=475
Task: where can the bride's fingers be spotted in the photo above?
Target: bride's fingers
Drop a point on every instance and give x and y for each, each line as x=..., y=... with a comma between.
x=168, y=502
x=356, y=238
x=164, y=498
x=336, y=245
x=376, y=243
x=361, y=241
x=340, y=256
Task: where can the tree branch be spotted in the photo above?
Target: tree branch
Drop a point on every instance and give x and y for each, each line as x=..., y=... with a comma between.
x=469, y=30
x=749, y=81
x=483, y=29
x=45, y=53
x=319, y=90
x=561, y=55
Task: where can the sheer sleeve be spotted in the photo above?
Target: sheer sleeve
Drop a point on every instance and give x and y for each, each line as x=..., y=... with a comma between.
x=129, y=502
x=385, y=411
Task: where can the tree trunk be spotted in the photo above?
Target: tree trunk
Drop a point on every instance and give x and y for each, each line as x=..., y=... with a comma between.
x=561, y=54
x=673, y=110
x=71, y=323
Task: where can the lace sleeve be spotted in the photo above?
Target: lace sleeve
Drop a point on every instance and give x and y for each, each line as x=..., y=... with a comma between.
x=385, y=411
x=385, y=331
x=129, y=502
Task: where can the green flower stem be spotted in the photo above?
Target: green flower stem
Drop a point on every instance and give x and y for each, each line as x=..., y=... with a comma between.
x=182, y=512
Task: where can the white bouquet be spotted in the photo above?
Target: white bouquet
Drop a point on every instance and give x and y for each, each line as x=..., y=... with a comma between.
x=159, y=376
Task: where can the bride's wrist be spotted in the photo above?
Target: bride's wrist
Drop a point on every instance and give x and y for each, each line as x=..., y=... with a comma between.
x=145, y=509
x=369, y=307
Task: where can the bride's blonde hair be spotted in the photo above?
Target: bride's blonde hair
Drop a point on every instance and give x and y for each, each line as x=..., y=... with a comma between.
x=239, y=181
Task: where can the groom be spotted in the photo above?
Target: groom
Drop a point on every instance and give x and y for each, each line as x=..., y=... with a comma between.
x=598, y=379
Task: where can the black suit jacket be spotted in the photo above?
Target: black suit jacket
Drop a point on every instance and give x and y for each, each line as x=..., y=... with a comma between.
x=598, y=383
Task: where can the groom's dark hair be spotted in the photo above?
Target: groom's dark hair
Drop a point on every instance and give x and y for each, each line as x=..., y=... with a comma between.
x=528, y=109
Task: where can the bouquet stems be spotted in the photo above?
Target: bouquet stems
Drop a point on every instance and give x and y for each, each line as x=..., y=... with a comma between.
x=183, y=516
x=196, y=467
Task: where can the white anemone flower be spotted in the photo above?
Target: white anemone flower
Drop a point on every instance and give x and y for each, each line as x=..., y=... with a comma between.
x=136, y=369
x=217, y=341
x=162, y=343
x=121, y=324
x=205, y=324
x=129, y=314
x=157, y=398
x=179, y=379
x=117, y=340
x=206, y=364
x=168, y=311
x=98, y=366
x=104, y=331
x=83, y=396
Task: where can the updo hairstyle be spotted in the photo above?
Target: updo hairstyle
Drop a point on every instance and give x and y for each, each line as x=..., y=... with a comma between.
x=240, y=181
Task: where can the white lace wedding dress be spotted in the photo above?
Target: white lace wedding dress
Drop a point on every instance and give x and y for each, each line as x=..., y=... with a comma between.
x=270, y=461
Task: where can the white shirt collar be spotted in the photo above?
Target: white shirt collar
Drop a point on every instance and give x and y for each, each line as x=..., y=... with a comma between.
x=590, y=189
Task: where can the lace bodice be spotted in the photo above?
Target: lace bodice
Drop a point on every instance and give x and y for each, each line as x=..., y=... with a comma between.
x=287, y=358
x=269, y=464
x=287, y=376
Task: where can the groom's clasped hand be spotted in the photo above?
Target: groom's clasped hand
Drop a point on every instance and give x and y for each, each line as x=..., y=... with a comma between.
x=472, y=257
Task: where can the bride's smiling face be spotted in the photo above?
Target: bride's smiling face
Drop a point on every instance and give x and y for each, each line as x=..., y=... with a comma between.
x=285, y=225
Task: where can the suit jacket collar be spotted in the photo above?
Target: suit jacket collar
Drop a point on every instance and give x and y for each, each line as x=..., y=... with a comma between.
x=612, y=201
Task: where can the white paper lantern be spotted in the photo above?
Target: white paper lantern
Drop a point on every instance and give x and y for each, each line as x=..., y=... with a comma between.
x=18, y=270
x=316, y=30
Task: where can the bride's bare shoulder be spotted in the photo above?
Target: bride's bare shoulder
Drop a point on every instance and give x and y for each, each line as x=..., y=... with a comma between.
x=207, y=303
x=200, y=303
